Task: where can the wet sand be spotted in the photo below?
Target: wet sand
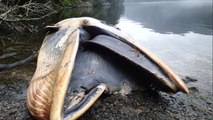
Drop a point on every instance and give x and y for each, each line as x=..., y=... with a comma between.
x=135, y=106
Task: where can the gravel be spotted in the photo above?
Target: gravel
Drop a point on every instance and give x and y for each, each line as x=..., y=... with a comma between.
x=137, y=105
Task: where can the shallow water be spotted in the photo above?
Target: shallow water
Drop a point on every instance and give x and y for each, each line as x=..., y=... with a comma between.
x=180, y=33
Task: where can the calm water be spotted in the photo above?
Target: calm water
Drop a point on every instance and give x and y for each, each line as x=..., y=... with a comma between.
x=180, y=33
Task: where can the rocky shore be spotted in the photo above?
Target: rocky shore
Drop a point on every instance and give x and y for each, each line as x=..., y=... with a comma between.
x=135, y=106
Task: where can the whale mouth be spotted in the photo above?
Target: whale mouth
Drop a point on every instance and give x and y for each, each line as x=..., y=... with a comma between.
x=82, y=101
x=57, y=66
x=108, y=64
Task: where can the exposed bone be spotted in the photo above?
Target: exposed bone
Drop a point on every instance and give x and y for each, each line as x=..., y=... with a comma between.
x=76, y=99
x=48, y=87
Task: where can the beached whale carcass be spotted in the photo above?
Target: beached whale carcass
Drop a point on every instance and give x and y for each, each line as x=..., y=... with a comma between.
x=81, y=58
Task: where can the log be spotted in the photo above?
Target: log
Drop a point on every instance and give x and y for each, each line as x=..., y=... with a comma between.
x=21, y=62
x=8, y=55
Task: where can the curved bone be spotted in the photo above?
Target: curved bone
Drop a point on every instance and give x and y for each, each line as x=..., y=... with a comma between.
x=86, y=21
x=48, y=86
x=46, y=93
x=89, y=101
x=65, y=70
x=157, y=79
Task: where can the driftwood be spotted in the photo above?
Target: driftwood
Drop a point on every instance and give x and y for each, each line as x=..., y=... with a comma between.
x=8, y=55
x=27, y=12
x=18, y=17
x=21, y=62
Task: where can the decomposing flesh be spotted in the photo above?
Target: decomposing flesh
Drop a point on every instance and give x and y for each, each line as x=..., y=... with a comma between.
x=82, y=58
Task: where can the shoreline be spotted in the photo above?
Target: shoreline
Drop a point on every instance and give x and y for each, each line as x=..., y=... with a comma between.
x=137, y=105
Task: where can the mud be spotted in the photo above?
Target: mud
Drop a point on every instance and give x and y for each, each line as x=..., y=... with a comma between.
x=138, y=105
x=13, y=86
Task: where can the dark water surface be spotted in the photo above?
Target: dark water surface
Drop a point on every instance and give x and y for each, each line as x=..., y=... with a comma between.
x=178, y=32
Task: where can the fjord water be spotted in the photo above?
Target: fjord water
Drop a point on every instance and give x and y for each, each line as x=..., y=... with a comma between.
x=179, y=32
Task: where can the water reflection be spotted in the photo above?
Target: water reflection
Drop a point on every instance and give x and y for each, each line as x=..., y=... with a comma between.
x=110, y=14
x=24, y=40
x=179, y=33
x=176, y=17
